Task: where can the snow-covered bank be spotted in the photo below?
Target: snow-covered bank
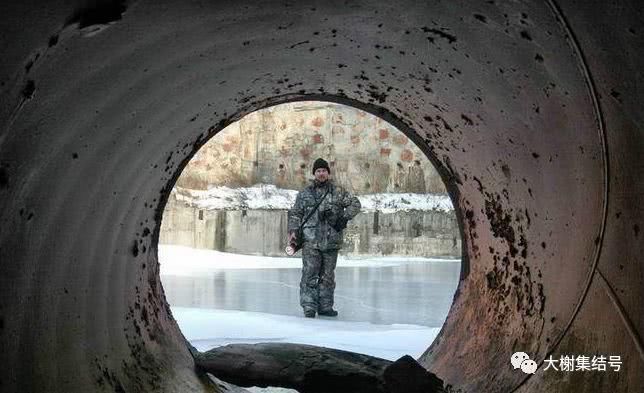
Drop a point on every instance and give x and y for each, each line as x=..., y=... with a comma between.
x=207, y=328
x=266, y=196
x=187, y=261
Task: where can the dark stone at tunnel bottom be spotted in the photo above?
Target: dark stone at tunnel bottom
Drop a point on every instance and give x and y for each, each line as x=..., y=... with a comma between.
x=406, y=375
x=311, y=369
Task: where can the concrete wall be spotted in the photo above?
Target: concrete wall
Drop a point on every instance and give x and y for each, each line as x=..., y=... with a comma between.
x=262, y=232
x=277, y=145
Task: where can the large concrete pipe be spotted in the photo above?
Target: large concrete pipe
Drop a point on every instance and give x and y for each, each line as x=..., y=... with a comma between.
x=531, y=110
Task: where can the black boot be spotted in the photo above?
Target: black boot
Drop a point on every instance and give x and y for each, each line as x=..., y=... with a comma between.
x=328, y=313
x=309, y=313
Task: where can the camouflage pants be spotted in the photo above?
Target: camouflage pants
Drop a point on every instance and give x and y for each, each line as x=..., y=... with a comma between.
x=318, y=278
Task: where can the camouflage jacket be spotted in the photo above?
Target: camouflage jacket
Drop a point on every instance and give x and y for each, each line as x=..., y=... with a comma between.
x=320, y=230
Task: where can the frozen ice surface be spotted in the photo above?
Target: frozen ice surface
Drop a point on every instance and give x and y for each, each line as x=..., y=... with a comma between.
x=207, y=328
x=187, y=261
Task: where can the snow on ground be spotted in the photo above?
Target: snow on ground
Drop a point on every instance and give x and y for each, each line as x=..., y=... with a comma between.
x=208, y=328
x=270, y=390
x=187, y=261
x=261, y=196
x=267, y=196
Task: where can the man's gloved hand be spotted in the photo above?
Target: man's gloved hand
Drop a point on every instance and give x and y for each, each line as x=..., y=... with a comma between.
x=341, y=224
x=291, y=236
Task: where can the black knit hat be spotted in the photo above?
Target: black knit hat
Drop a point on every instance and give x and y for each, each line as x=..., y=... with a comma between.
x=320, y=163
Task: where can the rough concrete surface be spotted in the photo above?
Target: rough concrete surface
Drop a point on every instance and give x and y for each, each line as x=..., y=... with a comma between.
x=531, y=112
x=261, y=232
x=277, y=145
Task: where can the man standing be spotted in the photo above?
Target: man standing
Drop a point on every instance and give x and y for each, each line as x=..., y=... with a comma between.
x=322, y=237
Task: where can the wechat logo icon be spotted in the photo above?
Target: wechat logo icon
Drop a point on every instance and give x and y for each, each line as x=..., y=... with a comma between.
x=522, y=360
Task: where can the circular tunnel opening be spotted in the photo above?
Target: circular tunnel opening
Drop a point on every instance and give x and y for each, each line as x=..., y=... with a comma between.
x=221, y=244
x=531, y=101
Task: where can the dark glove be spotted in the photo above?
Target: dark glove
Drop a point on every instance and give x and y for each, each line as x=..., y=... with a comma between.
x=340, y=224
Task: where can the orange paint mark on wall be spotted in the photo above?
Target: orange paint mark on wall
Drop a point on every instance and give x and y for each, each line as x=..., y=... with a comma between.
x=383, y=133
x=355, y=139
x=400, y=139
x=231, y=139
x=385, y=152
x=407, y=155
x=317, y=138
x=227, y=147
x=317, y=122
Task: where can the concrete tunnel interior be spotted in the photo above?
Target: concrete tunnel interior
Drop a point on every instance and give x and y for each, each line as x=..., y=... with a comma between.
x=529, y=110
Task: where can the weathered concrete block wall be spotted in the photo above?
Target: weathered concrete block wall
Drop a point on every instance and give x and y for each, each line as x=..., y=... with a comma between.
x=413, y=233
x=277, y=145
x=258, y=232
x=262, y=232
